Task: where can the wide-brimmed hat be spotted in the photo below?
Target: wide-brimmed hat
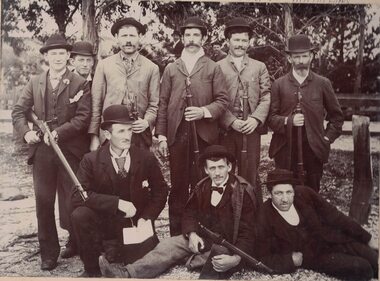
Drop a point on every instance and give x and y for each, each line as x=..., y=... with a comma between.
x=299, y=43
x=56, y=41
x=116, y=114
x=237, y=23
x=216, y=151
x=127, y=21
x=83, y=48
x=193, y=22
x=280, y=176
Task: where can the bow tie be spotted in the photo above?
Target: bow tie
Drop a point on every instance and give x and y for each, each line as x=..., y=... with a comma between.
x=218, y=189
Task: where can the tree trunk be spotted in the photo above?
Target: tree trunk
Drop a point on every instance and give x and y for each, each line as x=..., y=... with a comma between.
x=59, y=9
x=90, y=32
x=359, y=58
x=288, y=20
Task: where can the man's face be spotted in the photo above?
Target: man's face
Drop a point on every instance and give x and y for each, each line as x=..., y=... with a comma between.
x=57, y=59
x=176, y=37
x=239, y=43
x=120, y=136
x=283, y=196
x=192, y=40
x=218, y=170
x=216, y=48
x=128, y=39
x=301, y=61
x=83, y=64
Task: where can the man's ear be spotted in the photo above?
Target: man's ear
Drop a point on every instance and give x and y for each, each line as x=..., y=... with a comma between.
x=107, y=134
x=229, y=166
x=289, y=58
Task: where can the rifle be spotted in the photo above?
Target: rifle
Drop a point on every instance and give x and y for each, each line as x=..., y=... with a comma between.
x=244, y=158
x=44, y=128
x=134, y=114
x=300, y=168
x=218, y=239
x=193, y=128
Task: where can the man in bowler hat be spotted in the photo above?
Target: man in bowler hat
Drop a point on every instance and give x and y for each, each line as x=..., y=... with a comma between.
x=125, y=188
x=224, y=203
x=298, y=228
x=83, y=59
x=244, y=74
x=316, y=96
x=62, y=100
x=126, y=78
x=206, y=84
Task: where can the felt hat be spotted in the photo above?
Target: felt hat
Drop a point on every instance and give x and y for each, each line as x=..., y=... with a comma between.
x=280, y=176
x=83, y=48
x=193, y=22
x=237, y=22
x=116, y=113
x=299, y=43
x=216, y=151
x=55, y=41
x=127, y=21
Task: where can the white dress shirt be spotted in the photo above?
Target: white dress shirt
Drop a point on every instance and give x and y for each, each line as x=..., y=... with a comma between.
x=125, y=154
x=215, y=195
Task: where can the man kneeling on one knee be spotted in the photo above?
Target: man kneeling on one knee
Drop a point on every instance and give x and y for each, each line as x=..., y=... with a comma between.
x=298, y=228
x=222, y=202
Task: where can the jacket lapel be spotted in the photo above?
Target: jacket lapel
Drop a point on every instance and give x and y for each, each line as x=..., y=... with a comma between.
x=42, y=89
x=181, y=67
x=198, y=65
x=64, y=83
x=136, y=66
x=106, y=162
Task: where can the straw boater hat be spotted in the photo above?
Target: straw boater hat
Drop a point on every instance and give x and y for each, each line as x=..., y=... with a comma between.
x=299, y=43
x=127, y=21
x=56, y=41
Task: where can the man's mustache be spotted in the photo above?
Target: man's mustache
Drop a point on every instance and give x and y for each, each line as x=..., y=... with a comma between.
x=302, y=66
x=239, y=48
x=192, y=44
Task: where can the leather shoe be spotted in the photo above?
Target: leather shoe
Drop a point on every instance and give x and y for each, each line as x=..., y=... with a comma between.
x=112, y=269
x=92, y=274
x=48, y=264
x=69, y=252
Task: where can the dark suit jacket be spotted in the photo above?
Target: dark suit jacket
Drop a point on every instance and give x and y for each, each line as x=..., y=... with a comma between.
x=148, y=189
x=209, y=90
x=317, y=97
x=73, y=116
x=323, y=221
x=244, y=205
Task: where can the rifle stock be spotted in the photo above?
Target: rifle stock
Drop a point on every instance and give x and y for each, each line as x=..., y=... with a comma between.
x=217, y=238
x=45, y=129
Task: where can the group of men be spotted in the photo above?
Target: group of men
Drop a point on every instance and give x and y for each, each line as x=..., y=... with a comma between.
x=203, y=114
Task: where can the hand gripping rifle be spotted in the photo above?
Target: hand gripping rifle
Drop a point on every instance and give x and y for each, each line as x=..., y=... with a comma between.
x=300, y=168
x=218, y=239
x=134, y=114
x=194, y=136
x=244, y=158
x=44, y=129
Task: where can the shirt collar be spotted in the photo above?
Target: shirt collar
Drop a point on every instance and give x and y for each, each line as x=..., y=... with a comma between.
x=88, y=78
x=186, y=56
x=123, y=154
x=299, y=78
x=57, y=75
x=132, y=58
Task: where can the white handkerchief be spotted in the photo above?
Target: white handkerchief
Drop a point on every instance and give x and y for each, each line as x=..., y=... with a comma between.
x=135, y=235
x=76, y=97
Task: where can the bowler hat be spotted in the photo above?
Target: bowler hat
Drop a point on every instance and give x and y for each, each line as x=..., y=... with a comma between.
x=299, y=43
x=127, y=21
x=215, y=151
x=56, y=41
x=193, y=22
x=116, y=113
x=237, y=23
x=83, y=48
x=280, y=176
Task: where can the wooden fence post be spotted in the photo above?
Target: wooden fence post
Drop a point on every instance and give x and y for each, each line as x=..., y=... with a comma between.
x=363, y=179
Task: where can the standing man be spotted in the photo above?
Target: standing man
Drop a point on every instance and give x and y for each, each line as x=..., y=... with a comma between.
x=62, y=100
x=177, y=44
x=315, y=95
x=125, y=187
x=83, y=59
x=205, y=81
x=222, y=202
x=244, y=74
x=297, y=228
x=126, y=78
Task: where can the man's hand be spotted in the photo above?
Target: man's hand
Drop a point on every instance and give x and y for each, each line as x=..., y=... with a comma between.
x=298, y=120
x=237, y=125
x=95, y=143
x=196, y=243
x=297, y=258
x=222, y=263
x=47, y=139
x=373, y=244
x=31, y=137
x=193, y=113
x=127, y=207
x=249, y=125
x=163, y=148
x=139, y=126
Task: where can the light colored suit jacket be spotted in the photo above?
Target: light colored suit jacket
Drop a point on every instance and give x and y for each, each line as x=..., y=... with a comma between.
x=111, y=83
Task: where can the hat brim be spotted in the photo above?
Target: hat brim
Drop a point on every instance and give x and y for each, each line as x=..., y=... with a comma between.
x=117, y=25
x=44, y=49
x=202, y=28
x=227, y=29
x=301, y=50
x=107, y=123
x=230, y=157
x=82, y=54
x=275, y=182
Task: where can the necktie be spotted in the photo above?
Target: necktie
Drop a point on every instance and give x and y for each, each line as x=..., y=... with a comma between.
x=217, y=188
x=120, y=164
x=128, y=64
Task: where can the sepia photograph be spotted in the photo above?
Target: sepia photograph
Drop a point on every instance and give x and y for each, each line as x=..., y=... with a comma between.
x=190, y=140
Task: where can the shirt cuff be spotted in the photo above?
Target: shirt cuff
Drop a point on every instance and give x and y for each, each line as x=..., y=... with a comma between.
x=161, y=138
x=206, y=112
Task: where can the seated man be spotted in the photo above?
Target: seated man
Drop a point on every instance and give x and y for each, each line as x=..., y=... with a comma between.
x=298, y=228
x=125, y=187
x=222, y=202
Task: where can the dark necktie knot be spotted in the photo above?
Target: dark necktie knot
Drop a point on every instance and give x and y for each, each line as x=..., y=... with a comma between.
x=218, y=189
